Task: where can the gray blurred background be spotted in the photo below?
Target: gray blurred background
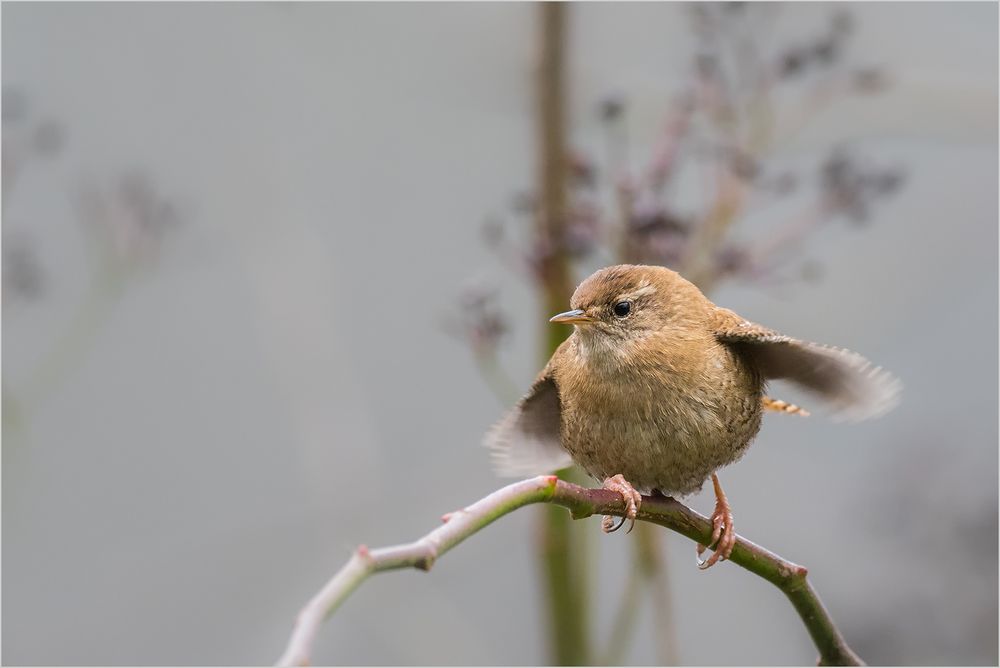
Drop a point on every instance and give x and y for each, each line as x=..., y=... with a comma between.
x=232, y=234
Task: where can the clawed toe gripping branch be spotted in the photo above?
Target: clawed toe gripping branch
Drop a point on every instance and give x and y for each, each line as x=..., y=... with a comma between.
x=581, y=502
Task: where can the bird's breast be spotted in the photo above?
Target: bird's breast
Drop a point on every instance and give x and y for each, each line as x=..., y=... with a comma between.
x=664, y=423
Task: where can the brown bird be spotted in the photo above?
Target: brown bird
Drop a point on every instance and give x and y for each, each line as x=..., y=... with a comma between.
x=658, y=388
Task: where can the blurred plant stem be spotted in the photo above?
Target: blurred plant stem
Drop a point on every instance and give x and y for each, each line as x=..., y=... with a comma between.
x=654, y=567
x=649, y=574
x=700, y=267
x=562, y=548
x=506, y=391
x=72, y=342
x=624, y=619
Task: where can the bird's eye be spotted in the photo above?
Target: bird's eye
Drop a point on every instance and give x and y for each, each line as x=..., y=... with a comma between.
x=622, y=309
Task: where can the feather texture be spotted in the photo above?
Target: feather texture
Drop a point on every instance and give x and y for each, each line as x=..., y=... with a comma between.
x=526, y=441
x=850, y=385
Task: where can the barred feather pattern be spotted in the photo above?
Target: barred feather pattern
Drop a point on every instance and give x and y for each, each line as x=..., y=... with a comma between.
x=779, y=406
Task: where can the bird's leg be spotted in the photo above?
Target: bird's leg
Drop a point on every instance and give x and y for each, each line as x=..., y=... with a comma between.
x=723, y=536
x=632, y=498
x=779, y=406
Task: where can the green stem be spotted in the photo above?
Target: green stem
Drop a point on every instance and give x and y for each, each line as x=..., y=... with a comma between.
x=562, y=549
x=564, y=556
x=653, y=565
x=72, y=341
x=582, y=502
x=624, y=620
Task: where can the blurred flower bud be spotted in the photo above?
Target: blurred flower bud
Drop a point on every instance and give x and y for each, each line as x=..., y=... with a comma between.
x=852, y=187
x=153, y=214
x=732, y=260
x=791, y=63
x=476, y=294
x=744, y=166
x=15, y=105
x=537, y=258
x=706, y=65
x=48, y=139
x=869, y=80
x=130, y=216
x=656, y=235
x=581, y=170
x=889, y=181
x=524, y=203
x=493, y=232
x=480, y=320
x=825, y=51
x=842, y=23
x=22, y=273
x=611, y=107
x=785, y=183
x=582, y=229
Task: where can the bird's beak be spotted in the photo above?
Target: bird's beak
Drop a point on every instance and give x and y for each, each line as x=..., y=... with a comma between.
x=571, y=317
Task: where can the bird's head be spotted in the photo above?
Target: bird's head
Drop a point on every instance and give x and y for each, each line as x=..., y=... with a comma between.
x=627, y=303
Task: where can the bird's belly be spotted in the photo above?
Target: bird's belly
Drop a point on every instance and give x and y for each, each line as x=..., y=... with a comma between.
x=673, y=452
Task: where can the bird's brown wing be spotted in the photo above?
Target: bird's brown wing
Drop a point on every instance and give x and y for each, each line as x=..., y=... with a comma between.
x=526, y=441
x=852, y=386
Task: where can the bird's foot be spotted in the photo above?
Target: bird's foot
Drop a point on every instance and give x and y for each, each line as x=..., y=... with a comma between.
x=723, y=535
x=632, y=498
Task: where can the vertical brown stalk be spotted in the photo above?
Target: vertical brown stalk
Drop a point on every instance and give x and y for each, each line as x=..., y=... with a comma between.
x=653, y=561
x=552, y=168
x=562, y=555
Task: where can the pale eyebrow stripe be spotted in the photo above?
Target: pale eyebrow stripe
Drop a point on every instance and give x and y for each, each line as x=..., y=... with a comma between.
x=643, y=291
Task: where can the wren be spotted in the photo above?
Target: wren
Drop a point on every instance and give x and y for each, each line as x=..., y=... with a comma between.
x=658, y=388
